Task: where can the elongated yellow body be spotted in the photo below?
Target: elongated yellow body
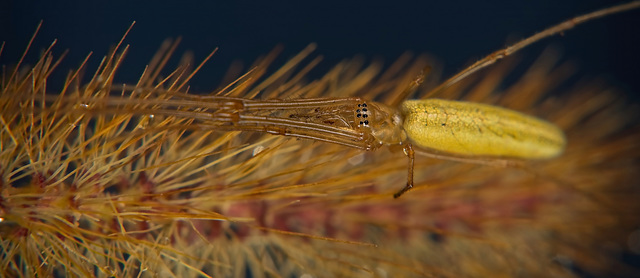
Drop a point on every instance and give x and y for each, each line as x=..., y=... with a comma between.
x=474, y=129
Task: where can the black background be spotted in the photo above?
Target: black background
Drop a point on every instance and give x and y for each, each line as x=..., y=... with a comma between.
x=455, y=32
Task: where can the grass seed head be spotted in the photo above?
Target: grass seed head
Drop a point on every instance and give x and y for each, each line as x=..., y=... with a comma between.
x=128, y=194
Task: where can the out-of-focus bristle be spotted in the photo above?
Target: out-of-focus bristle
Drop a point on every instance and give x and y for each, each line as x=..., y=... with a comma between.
x=125, y=195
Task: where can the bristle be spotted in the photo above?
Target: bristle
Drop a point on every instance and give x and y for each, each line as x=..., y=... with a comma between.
x=127, y=195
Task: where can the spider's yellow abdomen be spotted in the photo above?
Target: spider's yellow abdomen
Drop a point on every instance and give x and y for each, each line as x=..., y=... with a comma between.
x=474, y=129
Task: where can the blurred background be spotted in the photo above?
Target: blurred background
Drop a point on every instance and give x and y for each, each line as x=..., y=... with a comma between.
x=454, y=32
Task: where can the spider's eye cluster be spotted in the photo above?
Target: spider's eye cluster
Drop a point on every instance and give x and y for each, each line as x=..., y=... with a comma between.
x=362, y=114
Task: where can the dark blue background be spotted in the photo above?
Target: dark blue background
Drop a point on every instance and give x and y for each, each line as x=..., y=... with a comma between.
x=455, y=32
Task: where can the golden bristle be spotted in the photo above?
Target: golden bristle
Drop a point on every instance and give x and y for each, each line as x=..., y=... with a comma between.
x=123, y=194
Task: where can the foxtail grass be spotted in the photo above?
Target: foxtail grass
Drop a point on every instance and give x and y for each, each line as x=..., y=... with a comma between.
x=131, y=195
